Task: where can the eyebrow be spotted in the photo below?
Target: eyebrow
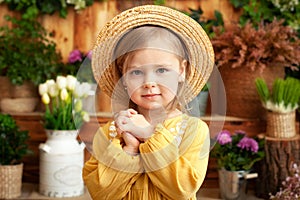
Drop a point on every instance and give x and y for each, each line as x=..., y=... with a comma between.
x=155, y=65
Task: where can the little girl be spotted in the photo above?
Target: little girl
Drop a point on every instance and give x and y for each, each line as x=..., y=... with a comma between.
x=152, y=61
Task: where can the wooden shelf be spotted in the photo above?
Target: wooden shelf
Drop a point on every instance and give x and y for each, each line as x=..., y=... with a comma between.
x=33, y=123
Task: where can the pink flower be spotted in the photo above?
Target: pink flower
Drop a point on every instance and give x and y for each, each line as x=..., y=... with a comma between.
x=248, y=144
x=89, y=54
x=75, y=56
x=224, y=137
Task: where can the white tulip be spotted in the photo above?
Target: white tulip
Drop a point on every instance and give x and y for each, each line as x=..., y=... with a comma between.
x=61, y=82
x=43, y=88
x=82, y=90
x=53, y=90
x=50, y=81
x=64, y=95
x=45, y=98
x=71, y=82
x=85, y=116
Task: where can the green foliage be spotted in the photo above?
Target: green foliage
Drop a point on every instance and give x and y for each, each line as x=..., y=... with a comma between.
x=159, y=2
x=284, y=97
x=26, y=53
x=206, y=87
x=262, y=90
x=60, y=116
x=207, y=24
x=257, y=11
x=12, y=141
x=30, y=9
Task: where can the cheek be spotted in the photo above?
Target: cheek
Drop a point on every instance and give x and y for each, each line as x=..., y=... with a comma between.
x=170, y=84
x=169, y=90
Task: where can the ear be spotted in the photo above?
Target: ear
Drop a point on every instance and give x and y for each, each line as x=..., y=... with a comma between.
x=183, y=66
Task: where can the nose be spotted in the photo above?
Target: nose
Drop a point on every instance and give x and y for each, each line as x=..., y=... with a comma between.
x=150, y=84
x=150, y=80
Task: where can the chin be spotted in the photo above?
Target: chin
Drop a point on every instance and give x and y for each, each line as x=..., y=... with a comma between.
x=153, y=107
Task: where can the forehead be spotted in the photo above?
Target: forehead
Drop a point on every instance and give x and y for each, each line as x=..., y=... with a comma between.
x=149, y=37
x=151, y=57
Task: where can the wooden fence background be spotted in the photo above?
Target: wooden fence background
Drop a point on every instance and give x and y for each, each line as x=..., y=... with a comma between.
x=79, y=29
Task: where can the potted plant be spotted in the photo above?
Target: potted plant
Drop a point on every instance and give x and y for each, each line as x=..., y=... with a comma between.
x=236, y=154
x=281, y=103
x=62, y=156
x=244, y=53
x=27, y=57
x=13, y=145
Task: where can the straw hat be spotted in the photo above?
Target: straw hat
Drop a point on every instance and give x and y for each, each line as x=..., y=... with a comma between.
x=200, y=50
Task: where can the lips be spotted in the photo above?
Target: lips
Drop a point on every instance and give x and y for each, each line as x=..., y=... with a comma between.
x=150, y=95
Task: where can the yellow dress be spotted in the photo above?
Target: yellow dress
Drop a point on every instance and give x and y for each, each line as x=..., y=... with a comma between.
x=171, y=165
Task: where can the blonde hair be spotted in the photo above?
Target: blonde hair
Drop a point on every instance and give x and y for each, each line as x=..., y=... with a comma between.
x=156, y=37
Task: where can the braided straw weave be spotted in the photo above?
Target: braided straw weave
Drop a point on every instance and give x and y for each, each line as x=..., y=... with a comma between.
x=281, y=125
x=10, y=181
x=195, y=38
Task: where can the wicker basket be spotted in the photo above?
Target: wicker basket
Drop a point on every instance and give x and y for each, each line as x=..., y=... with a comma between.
x=18, y=105
x=26, y=90
x=10, y=181
x=242, y=97
x=281, y=125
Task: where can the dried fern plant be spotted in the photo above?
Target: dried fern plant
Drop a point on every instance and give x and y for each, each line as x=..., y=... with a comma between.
x=270, y=45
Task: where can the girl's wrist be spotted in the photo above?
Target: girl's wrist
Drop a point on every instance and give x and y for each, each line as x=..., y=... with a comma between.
x=148, y=132
x=131, y=150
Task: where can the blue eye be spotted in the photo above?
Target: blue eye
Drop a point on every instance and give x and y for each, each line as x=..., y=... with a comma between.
x=136, y=72
x=162, y=70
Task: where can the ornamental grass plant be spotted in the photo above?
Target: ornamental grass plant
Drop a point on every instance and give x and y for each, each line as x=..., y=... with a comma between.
x=284, y=97
x=63, y=101
x=237, y=151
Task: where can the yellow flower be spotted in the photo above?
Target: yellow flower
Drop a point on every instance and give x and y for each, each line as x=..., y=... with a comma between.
x=64, y=95
x=45, y=99
x=78, y=106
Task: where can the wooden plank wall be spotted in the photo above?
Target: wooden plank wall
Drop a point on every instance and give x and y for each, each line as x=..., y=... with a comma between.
x=79, y=30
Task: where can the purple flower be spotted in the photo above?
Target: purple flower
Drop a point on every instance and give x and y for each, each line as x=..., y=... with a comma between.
x=248, y=144
x=224, y=137
x=75, y=56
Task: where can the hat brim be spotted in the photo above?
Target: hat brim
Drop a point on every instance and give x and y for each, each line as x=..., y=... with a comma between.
x=200, y=50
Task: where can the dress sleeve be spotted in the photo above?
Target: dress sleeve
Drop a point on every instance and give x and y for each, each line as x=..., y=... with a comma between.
x=110, y=172
x=177, y=172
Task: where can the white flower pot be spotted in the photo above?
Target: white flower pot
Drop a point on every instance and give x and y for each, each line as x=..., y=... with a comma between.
x=61, y=163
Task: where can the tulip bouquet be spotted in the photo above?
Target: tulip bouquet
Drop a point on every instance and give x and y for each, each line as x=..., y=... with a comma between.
x=63, y=102
x=237, y=151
